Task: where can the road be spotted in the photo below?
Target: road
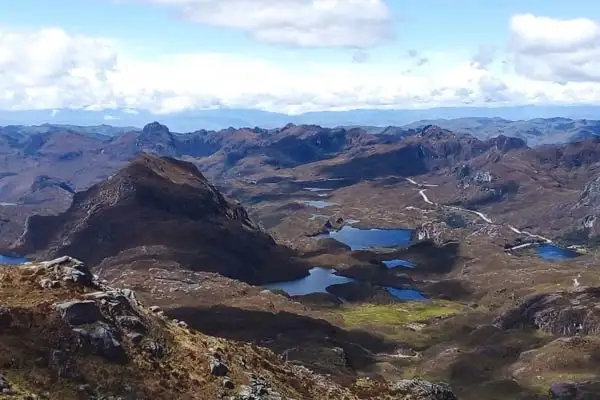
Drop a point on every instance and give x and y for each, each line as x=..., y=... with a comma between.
x=481, y=215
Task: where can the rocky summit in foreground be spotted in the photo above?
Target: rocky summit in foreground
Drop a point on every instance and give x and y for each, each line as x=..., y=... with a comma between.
x=160, y=211
x=66, y=335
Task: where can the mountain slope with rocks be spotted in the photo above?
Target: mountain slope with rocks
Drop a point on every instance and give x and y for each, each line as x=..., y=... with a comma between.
x=158, y=210
x=64, y=334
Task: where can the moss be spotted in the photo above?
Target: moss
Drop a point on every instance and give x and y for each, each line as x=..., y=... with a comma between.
x=398, y=314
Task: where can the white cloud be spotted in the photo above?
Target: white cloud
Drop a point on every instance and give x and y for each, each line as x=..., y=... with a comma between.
x=556, y=50
x=52, y=69
x=307, y=23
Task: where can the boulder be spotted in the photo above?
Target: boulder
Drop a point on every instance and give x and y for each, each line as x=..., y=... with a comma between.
x=79, y=312
x=131, y=323
x=218, y=368
x=104, y=341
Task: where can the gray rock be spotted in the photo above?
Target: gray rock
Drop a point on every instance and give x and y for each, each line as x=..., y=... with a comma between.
x=422, y=390
x=218, y=368
x=154, y=309
x=131, y=323
x=79, y=312
x=182, y=324
x=79, y=274
x=49, y=284
x=259, y=389
x=104, y=341
x=59, y=261
x=155, y=349
x=135, y=338
x=5, y=387
x=228, y=383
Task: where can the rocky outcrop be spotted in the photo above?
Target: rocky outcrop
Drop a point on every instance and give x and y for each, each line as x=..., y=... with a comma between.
x=420, y=389
x=160, y=209
x=560, y=313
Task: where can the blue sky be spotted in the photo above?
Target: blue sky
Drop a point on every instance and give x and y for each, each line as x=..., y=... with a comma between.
x=433, y=44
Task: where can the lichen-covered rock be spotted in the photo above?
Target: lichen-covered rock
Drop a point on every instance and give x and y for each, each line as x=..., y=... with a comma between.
x=258, y=389
x=417, y=389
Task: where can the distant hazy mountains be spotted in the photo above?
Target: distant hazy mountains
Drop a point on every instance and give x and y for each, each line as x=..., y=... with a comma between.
x=190, y=121
x=536, y=132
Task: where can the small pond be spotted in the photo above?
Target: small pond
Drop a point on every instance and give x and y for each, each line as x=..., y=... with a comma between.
x=406, y=294
x=12, y=260
x=398, y=263
x=361, y=239
x=551, y=252
x=317, y=282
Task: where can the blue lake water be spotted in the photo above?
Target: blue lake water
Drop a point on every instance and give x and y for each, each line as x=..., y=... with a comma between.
x=398, y=263
x=321, y=278
x=360, y=239
x=554, y=253
x=317, y=282
x=12, y=260
x=406, y=294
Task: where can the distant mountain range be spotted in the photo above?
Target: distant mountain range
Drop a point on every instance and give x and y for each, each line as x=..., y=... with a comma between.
x=216, y=119
x=536, y=125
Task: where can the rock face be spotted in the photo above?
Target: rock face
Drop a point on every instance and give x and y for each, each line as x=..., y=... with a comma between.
x=561, y=313
x=160, y=209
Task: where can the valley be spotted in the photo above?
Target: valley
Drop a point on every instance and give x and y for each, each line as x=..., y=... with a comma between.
x=369, y=258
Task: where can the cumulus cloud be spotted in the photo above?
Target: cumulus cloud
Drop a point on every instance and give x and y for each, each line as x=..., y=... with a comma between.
x=307, y=23
x=484, y=56
x=52, y=69
x=555, y=50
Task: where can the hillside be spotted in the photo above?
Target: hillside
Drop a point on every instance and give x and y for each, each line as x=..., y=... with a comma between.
x=156, y=210
x=65, y=335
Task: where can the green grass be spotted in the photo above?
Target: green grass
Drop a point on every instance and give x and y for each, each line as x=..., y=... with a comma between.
x=398, y=314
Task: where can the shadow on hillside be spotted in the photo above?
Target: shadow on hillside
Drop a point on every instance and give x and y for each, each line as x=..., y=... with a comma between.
x=287, y=331
x=481, y=368
x=407, y=161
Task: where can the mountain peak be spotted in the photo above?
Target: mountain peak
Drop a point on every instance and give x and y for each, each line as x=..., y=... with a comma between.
x=159, y=208
x=155, y=128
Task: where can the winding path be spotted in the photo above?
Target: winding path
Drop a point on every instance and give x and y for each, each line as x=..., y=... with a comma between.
x=481, y=215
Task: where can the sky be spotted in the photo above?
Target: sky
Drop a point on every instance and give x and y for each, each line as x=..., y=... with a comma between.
x=296, y=56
